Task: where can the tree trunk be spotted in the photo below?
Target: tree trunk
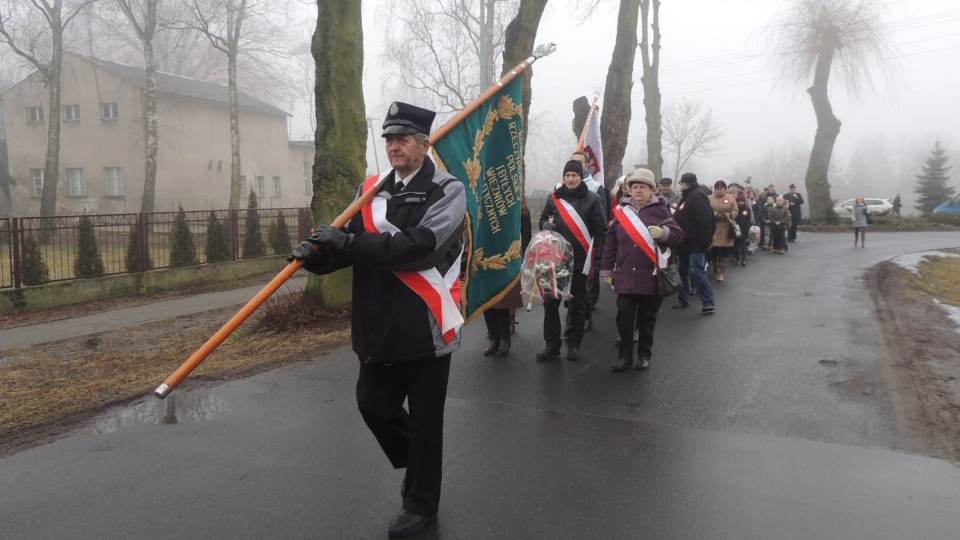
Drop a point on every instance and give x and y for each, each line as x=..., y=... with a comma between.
x=48, y=198
x=232, y=40
x=615, y=121
x=650, y=80
x=519, y=39
x=150, y=97
x=341, y=132
x=828, y=128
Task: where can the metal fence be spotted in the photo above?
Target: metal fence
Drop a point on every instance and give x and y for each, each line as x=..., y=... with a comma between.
x=35, y=250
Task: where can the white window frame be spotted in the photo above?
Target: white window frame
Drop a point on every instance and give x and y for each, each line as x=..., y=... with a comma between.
x=36, y=181
x=71, y=113
x=35, y=115
x=114, y=180
x=307, y=173
x=109, y=111
x=277, y=187
x=243, y=187
x=77, y=182
x=261, y=186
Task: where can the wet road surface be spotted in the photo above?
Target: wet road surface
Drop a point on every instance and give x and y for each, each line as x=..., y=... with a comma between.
x=766, y=420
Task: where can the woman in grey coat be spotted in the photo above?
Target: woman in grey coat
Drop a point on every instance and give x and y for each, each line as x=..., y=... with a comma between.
x=859, y=218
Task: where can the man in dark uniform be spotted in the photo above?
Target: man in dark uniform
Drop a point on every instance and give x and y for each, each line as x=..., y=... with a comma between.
x=410, y=234
x=796, y=200
x=695, y=216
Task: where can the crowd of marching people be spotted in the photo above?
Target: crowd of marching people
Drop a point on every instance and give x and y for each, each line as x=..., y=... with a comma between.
x=643, y=228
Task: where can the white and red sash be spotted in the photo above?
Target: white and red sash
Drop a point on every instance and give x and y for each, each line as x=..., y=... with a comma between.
x=640, y=234
x=576, y=225
x=441, y=293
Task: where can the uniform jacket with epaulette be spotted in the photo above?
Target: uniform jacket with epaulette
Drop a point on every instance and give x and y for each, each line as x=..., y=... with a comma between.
x=391, y=322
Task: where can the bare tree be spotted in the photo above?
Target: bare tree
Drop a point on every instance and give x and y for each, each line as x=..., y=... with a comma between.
x=812, y=37
x=35, y=31
x=438, y=49
x=341, y=137
x=650, y=80
x=689, y=130
x=234, y=27
x=617, y=108
x=142, y=18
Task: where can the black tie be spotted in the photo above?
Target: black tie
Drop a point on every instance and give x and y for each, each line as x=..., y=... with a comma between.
x=399, y=187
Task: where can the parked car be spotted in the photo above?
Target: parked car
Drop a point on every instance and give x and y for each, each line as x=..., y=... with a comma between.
x=877, y=207
x=950, y=207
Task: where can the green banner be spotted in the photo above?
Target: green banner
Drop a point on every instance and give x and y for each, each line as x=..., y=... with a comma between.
x=485, y=152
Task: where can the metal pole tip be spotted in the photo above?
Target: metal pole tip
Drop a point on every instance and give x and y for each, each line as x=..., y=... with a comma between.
x=162, y=391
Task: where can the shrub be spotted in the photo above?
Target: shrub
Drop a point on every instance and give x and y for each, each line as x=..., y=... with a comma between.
x=183, y=250
x=88, y=262
x=253, y=244
x=35, y=271
x=279, y=236
x=218, y=240
x=132, y=258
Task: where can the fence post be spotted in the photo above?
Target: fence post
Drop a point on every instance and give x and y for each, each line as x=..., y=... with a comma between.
x=235, y=233
x=15, y=240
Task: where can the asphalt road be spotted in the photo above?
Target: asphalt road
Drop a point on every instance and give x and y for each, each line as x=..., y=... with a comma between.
x=766, y=420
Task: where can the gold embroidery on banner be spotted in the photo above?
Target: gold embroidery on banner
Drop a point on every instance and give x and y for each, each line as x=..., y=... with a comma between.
x=495, y=262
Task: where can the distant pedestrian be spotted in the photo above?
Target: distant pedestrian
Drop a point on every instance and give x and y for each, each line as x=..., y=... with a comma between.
x=795, y=200
x=859, y=218
x=696, y=218
x=896, y=205
x=779, y=217
x=724, y=212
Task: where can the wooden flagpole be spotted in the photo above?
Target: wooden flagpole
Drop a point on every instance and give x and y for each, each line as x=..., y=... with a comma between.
x=586, y=125
x=211, y=344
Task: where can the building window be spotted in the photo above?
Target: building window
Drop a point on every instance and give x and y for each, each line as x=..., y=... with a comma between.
x=307, y=187
x=261, y=187
x=108, y=111
x=243, y=187
x=276, y=186
x=71, y=113
x=114, y=181
x=34, y=115
x=36, y=176
x=78, y=184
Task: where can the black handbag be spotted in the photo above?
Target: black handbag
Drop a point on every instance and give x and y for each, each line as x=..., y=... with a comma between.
x=866, y=214
x=668, y=279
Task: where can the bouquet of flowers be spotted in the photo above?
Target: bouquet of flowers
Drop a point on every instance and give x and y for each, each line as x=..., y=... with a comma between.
x=547, y=269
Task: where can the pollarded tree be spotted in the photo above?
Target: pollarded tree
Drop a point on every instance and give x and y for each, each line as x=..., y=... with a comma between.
x=846, y=38
x=617, y=109
x=932, y=187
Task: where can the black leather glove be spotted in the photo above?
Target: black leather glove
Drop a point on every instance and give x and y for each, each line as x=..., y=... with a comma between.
x=305, y=251
x=333, y=237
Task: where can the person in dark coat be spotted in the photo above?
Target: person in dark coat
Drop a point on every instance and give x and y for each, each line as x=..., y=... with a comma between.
x=795, y=200
x=631, y=271
x=695, y=216
x=499, y=317
x=404, y=341
x=586, y=204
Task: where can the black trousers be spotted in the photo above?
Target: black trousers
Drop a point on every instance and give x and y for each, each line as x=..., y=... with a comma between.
x=576, y=314
x=411, y=439
x=637, y=311
x=498, y=324
x=794, y=221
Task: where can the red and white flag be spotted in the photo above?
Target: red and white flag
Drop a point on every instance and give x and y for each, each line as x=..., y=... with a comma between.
x=593, y=149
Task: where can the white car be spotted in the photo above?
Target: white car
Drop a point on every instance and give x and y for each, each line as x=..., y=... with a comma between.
x=877, y=207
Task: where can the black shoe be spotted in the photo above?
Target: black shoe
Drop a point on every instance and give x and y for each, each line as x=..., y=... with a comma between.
x=573, y=352
x=681, y=305
x=644, y=363
x=504, y=347
x=548, y=353
x=492, y=348
x=587, y=325
x=622, y=364
x=708, y=310
x=407, y=523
